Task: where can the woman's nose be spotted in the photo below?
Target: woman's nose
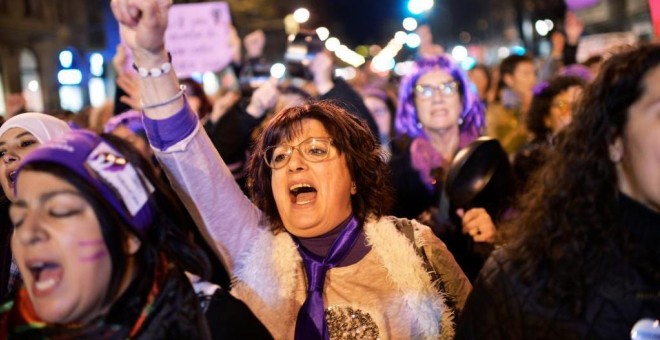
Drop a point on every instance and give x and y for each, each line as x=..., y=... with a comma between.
x=9, y=157
x=296, y=161
x=30, y=231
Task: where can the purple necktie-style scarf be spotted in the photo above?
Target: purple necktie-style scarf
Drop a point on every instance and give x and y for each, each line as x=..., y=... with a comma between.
x=311, y=322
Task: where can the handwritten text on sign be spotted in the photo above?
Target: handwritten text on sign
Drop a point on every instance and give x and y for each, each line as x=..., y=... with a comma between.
x=198, y=37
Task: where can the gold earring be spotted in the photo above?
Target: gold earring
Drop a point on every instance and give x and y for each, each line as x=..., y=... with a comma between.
x=353, y=188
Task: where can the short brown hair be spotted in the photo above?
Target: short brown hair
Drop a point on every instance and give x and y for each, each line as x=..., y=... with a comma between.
x=352, y=138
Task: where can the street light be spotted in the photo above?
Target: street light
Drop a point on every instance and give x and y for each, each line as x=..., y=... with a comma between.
x=332, y=44
x=413, y=40
x=301, y=15
x=323, y=33
x=410, y=24
x=419, y=6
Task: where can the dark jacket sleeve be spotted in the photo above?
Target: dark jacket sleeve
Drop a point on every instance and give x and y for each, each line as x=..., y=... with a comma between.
x=492, y=310
x=346, y=97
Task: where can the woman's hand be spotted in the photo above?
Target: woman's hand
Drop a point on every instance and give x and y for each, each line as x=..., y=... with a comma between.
x=478, y=224
x=264, y=98
x=142, y=25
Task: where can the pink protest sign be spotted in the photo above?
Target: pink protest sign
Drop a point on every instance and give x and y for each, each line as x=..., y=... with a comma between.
x=198, y=37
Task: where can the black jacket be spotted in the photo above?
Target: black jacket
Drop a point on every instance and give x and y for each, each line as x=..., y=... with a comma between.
x=502, y=307
x=170, y=311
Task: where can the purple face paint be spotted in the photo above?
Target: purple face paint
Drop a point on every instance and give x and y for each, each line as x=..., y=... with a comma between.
x=94, y=257
x=91, y=243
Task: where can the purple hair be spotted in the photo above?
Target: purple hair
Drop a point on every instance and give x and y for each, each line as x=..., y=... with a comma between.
x=406, y=115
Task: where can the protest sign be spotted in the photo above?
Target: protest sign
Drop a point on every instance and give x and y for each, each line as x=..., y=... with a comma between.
x=197, y=36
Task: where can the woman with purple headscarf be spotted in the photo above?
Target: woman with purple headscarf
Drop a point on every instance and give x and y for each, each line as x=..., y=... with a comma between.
x=437, y=116
x=19, y=136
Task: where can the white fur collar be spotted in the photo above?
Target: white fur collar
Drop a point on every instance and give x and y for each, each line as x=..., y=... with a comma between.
x=271, y=266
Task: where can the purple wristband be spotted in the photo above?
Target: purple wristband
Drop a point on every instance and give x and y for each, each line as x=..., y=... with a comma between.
x=163, y=133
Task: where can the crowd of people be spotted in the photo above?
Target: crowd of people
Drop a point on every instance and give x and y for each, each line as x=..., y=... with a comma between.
x=445, y=204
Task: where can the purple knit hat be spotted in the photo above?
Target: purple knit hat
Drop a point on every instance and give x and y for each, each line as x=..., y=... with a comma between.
x=99, y=164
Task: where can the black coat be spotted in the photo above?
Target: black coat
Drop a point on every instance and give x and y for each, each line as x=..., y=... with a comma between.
x=170, y=311
x=502, y=307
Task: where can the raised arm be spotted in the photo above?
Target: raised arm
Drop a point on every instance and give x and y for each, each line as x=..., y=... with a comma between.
x=194, y=167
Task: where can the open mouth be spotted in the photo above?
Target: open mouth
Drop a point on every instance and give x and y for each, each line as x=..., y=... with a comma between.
x=11, y=177
x=302, y=194
x=46, y=276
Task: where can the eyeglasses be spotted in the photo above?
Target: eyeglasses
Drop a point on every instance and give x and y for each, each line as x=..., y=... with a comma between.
x=312, y=149
x=446, y=89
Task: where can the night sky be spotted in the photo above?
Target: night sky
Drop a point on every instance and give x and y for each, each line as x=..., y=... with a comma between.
x=375, y=21
x=360, y=21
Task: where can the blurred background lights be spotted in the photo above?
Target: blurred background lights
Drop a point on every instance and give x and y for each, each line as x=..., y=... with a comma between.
x=96, y=64
x=301, y=15
x=401, y=37
x=519, y=50
x=374, y=50
x=332, y=44
x=197, y=76
x=69, y=77
x=210, y=83
x=382, y=63
x=96, y=92
x=362, y=50
x=503, y=52
x=550, y=24
x=347, y=73
x=468, y=63
x=410, y=24
x=459, y=53
x=413, y=40
x=66, y=59
x=541, y=28
x=403, y=68
x=277, y=70
x=71, y=98
x=419, y=6
x=323, y=33
x=33, y=85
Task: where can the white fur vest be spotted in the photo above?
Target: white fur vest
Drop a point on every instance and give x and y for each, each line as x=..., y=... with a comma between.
x=269, y=277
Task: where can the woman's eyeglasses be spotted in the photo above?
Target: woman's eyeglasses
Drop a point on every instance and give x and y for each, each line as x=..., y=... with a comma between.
x=312, y=149
x=446, y=89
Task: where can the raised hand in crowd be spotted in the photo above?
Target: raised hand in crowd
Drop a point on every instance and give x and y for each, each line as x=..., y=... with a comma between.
x=478, y=224
x=264, y=98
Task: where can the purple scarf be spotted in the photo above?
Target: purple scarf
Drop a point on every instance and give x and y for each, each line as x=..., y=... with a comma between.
x=311, y=322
